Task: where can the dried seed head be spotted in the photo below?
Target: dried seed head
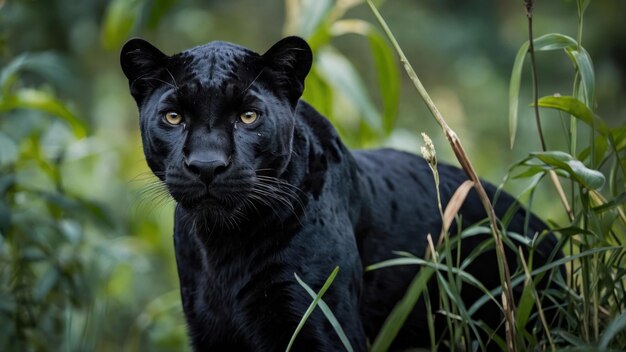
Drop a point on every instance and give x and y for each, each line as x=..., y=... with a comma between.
x=428, y=150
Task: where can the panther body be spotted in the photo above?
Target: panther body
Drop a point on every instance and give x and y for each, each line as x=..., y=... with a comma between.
x=265, y=189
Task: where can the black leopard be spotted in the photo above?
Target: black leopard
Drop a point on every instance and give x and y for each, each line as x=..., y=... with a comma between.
x=265, y=189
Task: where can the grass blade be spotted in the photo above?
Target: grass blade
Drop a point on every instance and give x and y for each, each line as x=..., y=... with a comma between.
x=312, y=306
x=329, y=315
x=615, y=327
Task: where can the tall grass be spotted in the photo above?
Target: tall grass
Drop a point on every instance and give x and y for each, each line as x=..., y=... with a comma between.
x=590, y=305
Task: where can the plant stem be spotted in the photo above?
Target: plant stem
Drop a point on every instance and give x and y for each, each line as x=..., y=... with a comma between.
x=531, y=51
x=508, y=302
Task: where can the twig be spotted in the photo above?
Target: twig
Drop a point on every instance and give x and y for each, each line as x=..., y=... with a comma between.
x=531, y=50
x=508, y=302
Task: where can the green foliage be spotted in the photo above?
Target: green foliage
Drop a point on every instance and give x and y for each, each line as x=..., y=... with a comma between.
x=86, y=259
x=44, y=274
x=334, y=86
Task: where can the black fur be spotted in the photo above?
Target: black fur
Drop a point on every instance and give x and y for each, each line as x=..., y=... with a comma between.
x=288, y=197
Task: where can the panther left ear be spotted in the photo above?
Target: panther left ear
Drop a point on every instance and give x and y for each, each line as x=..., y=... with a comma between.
x=140, y=62
x=290, y=58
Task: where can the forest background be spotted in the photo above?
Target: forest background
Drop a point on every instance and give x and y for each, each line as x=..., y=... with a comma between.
x=86, y=251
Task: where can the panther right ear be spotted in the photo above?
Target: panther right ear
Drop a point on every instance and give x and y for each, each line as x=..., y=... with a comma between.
x=141, y=61
x=290, y=59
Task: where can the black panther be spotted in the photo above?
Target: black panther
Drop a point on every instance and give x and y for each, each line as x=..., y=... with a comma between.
x=264, y=188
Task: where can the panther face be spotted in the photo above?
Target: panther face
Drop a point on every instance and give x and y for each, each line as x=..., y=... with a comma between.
x=217, y=120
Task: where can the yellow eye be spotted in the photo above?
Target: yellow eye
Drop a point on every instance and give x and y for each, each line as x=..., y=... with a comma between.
x=173, y=118
x=248, y=117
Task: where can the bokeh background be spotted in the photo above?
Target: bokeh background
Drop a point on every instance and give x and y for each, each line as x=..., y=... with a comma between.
x=86, y=252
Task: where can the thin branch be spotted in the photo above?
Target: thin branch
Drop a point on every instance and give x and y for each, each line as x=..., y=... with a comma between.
x=531, y=50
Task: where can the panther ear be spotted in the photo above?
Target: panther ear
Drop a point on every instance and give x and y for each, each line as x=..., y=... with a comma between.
x=141, y=61
x=291, y=59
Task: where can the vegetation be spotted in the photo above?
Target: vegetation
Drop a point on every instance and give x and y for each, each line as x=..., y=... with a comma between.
x=86, y=258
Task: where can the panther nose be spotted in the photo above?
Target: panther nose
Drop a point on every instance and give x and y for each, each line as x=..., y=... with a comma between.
x=207, y=167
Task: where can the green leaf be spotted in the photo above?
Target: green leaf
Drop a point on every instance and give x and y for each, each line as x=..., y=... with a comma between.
x=309, y=16
x=600, y=147
x=549, y=42
x=616, y=326
x=119, y=20
x=43, y=101
x=516, y=77
x=342, y=76
x=312, y=306
x=580, y=58
x=615, y=202
x=619, y=137
x=385, y=63
x=588, y=178
x=329, y=315
x=575, y=108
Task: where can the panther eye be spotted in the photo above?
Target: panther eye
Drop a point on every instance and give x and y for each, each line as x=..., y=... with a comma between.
x=248, y=117
x=173, y=118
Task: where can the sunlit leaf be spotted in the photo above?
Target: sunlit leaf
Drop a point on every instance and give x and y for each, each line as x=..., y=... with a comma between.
x=119, y=20
x=514, y=85
x=385, y=63
x=43, y=101
x=343, y=77
x=304, y=17
x=586, y=177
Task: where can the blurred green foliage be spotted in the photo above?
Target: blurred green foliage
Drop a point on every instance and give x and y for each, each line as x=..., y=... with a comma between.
x=86, y=257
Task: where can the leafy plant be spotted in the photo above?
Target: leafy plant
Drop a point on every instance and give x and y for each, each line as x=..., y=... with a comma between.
x=44, y=275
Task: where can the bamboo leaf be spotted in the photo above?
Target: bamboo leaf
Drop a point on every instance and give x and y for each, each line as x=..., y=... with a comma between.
x=549, y=42
x=342, y=76
x=514, y=85
x=575, y=108
x=588, y=178
x=385, y=63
